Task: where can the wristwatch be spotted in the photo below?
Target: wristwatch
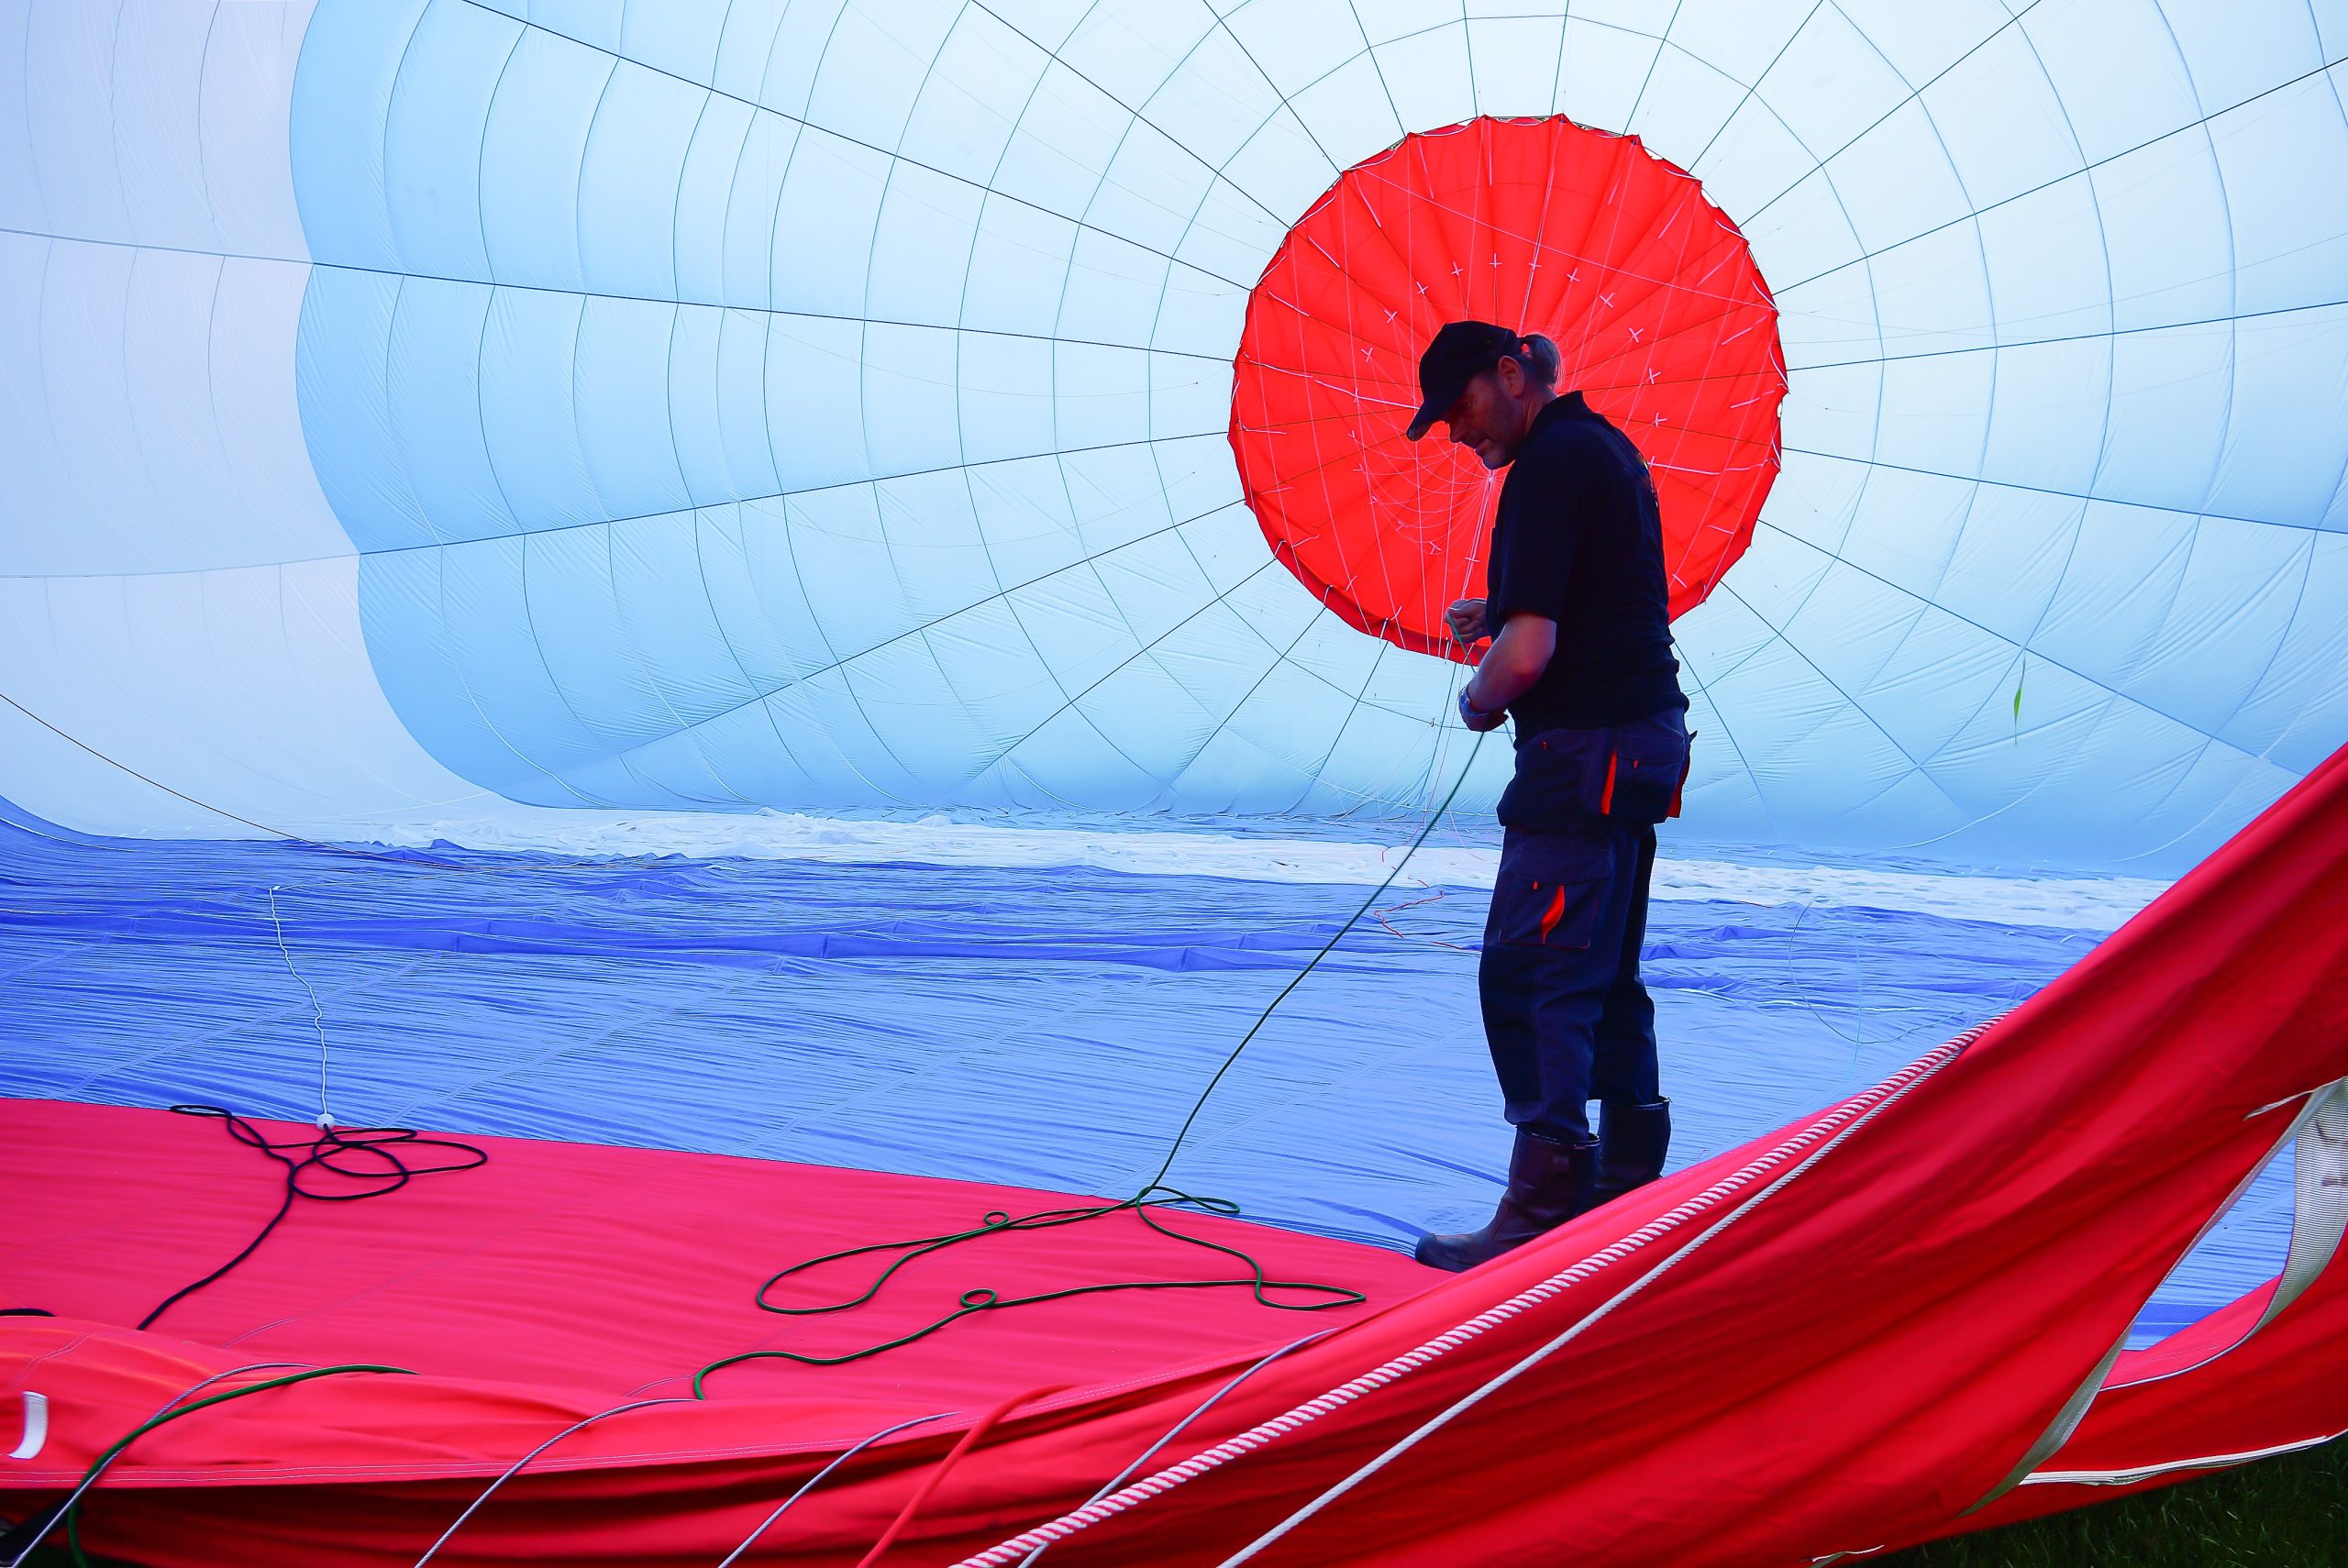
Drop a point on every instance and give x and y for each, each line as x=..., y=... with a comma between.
x=1470, y=712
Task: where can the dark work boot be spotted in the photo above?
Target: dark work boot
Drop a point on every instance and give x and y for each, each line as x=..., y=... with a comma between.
x=1549, y=1184
x=1633, y=1139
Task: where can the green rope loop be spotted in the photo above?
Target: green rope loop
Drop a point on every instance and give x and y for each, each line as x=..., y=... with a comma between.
x=984, y=1298
x=73, y=1516
x=1154, y=1193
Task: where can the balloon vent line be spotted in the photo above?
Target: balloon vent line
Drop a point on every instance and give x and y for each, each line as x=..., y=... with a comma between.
x=317, y=1011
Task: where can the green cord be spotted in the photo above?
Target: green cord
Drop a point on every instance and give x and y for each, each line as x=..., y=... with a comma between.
x=73, y=1518
x=1351, y=921
x=983, y=1299
x=1154, y=1194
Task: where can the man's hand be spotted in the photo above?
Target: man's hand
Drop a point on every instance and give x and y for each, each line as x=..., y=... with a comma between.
x=1467, y=618
x=1476, y=718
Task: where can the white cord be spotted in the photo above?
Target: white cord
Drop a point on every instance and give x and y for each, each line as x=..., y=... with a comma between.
x=317, y=1012
x=92, y=1478
x=515, y=1468
x=1574, y=1331
x=1182, y=1426
x=1760, y=1168
x=809, y=1485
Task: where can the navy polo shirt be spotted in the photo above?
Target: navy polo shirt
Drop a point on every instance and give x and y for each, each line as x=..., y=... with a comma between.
x=1578, y=538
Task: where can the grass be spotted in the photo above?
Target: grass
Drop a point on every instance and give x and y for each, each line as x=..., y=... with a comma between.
x=2290, y=1512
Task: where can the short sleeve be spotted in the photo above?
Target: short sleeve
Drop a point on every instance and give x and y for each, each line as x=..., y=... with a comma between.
x=1551, y=489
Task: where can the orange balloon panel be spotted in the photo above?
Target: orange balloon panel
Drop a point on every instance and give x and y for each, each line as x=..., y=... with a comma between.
x=1545, y=226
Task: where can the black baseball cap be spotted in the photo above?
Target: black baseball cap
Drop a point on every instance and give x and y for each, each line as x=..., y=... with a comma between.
x=1461, y=351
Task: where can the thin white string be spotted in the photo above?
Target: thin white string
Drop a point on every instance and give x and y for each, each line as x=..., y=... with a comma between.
x=1007, y=1552
x=515, y=1468
x=317, y=1010
x=1179, y=1427
x=809, y=1485
x=1574, y=1331
x=163, y=1409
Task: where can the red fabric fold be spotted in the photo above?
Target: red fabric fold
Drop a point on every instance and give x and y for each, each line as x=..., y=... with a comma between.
x=1841, y=1337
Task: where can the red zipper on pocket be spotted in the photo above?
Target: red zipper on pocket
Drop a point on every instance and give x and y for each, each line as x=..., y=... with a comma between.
x=1553, y=913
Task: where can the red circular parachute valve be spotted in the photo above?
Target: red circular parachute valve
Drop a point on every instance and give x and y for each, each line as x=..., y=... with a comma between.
x=1544, y=225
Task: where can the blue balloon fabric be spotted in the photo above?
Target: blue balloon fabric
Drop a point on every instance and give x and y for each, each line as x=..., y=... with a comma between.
x=1047, y=1027
x=700, y=406
x=722, y=514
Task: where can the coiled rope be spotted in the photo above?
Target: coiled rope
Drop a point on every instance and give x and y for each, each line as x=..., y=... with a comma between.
x=379, y=1170
x=1154, y=1194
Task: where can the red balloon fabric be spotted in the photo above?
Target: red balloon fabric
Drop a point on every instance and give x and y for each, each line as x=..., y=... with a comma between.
x=1894, y=1320
x=1545, y=226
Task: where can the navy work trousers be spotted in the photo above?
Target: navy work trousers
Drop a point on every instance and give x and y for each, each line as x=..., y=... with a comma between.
x=1564, y=1013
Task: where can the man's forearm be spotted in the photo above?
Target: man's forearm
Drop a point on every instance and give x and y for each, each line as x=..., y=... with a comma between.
x=1518, y=654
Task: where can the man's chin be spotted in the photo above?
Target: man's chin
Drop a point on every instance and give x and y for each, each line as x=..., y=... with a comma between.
x=1490, y=455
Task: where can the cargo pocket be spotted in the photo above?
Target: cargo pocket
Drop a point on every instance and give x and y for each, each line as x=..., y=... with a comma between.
x=1549, y=890
x=1555, y=786
x=1644, y=770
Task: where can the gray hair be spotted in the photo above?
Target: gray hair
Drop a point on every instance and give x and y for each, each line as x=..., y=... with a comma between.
x=1540, y=358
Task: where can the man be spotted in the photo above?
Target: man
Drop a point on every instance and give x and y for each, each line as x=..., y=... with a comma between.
x=1578, y=611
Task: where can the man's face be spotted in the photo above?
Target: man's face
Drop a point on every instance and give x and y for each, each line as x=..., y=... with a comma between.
x=1489, y=417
